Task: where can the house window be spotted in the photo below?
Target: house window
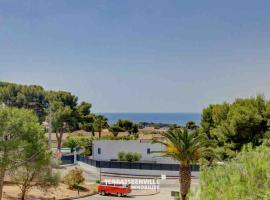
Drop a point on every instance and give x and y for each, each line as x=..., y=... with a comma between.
x=99, y=150
x=148, y=151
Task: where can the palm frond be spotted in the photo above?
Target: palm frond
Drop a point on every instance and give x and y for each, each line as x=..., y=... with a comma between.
x=183, y=146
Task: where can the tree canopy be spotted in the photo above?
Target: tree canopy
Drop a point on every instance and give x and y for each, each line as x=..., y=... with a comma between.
x=23, y=96
x=21, y=139
x=66, y=113
x=230, y=126
x=127, y=125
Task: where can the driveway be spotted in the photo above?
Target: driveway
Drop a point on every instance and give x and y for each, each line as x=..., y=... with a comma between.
x=166, y=186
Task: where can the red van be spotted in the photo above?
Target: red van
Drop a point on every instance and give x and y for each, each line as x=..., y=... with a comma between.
x=116, y=189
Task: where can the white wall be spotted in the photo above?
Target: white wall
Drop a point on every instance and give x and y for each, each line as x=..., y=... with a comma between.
x=111, y=148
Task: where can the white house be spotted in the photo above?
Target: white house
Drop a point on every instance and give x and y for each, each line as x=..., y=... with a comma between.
x=108, y=150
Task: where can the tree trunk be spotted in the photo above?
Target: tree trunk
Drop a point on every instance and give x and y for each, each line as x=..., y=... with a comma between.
x=115, y=134
x=185, y=180
x=99, y=134
x=23, y=194
x=59, y=136
x=2, y=178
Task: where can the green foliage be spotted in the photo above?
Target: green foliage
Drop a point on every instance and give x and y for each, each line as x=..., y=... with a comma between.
x=22, y=96
x=34, y=174
x=137, y=157
x=83, y=108
x=130, y=157
x=100, y=122
x=63, y=106
x=71, y=143
x=84, y=142
x=245, y=177
x=74, y=178
x=22, y=142
x=185, y=146
x=67, y=114
x=230, y=126
x=20, y=136
x=191, y=125
x=128, y=126
x=121, y=156
x=128, y=137
x=85, y=119
x=115, y=129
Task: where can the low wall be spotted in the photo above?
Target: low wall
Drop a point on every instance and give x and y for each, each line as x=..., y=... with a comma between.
x=135, y=172
x=133, y=165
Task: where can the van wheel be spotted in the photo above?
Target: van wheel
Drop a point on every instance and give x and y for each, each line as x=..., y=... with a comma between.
x=103, y=193
x=119, y=194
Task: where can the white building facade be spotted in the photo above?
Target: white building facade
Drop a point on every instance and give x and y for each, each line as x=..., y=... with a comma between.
x=106, y=150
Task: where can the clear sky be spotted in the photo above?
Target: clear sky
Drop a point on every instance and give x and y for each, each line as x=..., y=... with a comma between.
x=140, y=55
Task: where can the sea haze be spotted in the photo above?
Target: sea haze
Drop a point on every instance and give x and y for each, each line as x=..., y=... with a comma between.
x=168, y=118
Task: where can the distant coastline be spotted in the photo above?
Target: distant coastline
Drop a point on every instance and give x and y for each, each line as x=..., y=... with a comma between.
x=168, y=118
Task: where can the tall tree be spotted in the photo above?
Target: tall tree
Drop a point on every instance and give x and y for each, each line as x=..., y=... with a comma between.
x=35, y=172
x=128, y=126
x=231, y=126
x=63, y=106
x=187, y=148
x=115, y=129
x=24, y=96
x=101, y=122
x=20, y=138
x=85, y=119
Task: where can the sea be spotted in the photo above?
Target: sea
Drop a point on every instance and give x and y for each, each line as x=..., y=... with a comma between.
x=167, y=118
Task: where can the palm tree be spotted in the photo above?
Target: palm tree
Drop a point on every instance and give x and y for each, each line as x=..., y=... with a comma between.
x=100, y=123
x=115, y=129
x=187, y=148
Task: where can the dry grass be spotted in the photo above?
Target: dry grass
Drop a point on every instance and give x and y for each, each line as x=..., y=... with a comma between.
x=12, y=192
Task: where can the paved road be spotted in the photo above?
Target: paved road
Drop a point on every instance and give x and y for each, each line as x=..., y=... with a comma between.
x=166, y=186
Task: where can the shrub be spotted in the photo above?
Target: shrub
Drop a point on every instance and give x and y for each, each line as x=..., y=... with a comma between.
x=74, y=178
x=121, y=156
x=137, y=156
x=245, y=177
x=130, y=157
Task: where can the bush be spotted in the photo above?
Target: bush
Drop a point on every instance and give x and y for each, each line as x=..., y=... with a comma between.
x=245, y=177
x=121, y=156
x=130, y=157
x=74, y=178
x=137, y=156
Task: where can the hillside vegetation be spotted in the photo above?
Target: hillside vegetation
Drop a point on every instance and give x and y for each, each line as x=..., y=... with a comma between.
x=245, y=177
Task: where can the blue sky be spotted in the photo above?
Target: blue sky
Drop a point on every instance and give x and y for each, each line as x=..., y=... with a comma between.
x=139, y=56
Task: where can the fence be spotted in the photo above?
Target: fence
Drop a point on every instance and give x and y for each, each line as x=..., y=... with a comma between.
x=67, y=159
x=133, y=165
